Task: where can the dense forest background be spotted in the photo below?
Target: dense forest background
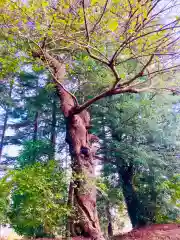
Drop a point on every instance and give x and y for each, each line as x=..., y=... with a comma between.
x=137, y=165
x=132, y=142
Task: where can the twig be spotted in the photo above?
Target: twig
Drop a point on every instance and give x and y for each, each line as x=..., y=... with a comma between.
x=140, y=73
x=85, y=22
x=174, y=91
x=163, y=70
x=113, y=68
x=100, y=18
x=43, y=54
x=96, y=57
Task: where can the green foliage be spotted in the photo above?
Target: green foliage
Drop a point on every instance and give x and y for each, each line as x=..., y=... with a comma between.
x=122, y=36
x=109, y=196
x=34, y=151
x=37, y=199
x=139, y=131
x=120, y=30
x=108, y=191
x=4, y=200
x=168, y=205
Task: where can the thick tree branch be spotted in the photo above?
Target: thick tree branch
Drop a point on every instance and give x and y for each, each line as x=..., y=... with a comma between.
x=109, y=92
x=57, y=73
x=116, y=91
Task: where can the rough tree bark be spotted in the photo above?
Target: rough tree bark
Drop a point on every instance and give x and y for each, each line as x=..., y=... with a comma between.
x=86, y=222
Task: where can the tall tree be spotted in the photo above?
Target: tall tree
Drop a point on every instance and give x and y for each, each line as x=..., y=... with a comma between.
x=29, y=115
x=140, y=145
x=113, y=33
x=6, y=103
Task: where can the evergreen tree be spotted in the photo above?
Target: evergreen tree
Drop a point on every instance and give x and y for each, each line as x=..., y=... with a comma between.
x=141, y=148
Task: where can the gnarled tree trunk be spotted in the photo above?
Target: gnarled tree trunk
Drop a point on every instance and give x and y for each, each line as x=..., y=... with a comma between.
x=83, y=195
x=85, y=221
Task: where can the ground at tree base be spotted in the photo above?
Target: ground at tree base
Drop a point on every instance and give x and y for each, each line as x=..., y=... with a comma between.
x=153, y=232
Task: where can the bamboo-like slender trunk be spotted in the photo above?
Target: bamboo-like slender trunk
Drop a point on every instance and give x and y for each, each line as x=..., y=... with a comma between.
x=53, y=129
x=3, y=133
x=35, y=131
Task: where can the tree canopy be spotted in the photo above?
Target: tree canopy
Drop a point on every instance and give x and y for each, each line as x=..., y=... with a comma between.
x=115, y=33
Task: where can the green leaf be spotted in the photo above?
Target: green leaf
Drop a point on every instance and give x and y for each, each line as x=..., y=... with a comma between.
x=93, y=2
x=113, y=24
x=122, y=76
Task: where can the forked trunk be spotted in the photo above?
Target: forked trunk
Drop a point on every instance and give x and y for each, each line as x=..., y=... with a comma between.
x=85, y=220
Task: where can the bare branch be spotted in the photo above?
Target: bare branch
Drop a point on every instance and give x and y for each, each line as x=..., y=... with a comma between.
x=56, y=66
x=100, y=18
x=117, y=78
x=140, y=73
x=149, y=33
x=163, y=70
x=132, y=38
x=85, y=21
x=96, y=57
x=87, y=47
x=153, y=6
x=146, y=55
